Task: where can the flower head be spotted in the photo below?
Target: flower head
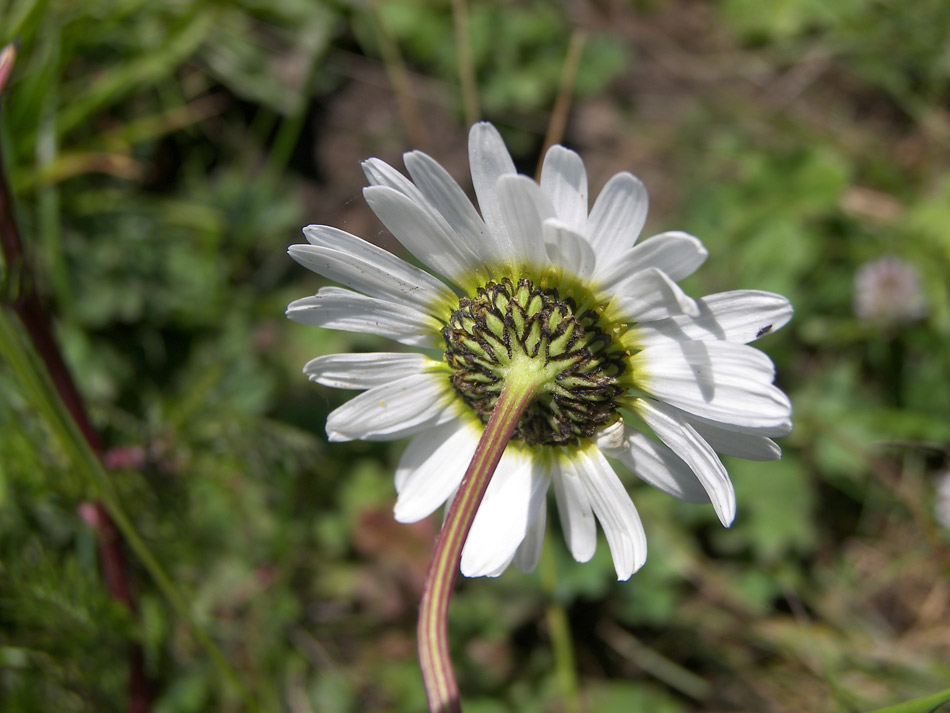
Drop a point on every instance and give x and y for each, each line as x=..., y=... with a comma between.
x=887, y=292
x=632, y=368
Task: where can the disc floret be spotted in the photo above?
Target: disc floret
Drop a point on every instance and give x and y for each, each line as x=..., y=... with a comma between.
x=519, y=330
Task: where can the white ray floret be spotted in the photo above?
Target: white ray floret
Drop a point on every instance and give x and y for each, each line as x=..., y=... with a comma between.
x=364, y=371
x=431, y=469
x=396, y=409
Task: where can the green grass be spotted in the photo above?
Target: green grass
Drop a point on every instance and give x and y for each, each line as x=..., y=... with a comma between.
x=162, y=157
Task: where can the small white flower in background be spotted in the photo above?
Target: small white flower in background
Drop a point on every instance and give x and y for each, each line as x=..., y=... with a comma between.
x=942, y=505
x=887, y=291
x=640, y=372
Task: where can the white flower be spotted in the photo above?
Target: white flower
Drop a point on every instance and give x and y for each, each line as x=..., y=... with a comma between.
x=887, y=291
x=644, y=374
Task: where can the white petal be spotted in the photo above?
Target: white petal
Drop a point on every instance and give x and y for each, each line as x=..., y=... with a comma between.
x=431, y=468
x=676, y=254
x=388, y=282
x=751, y=446
x=413, y=225
x=523, y=208
x=400, y=408
x=335, y=308
x=325, y=236
x=776, y=430
x=498, y=571
x=673, y=429
x=364, y=371
x=489, y=160
x=564, y=181
x=504, y=515
x=568, y=249
x=616, y=219
x=380, y=173
x=654, y=463
x=448, y=199
x=616, y=512
x=723, y=382
x=738, y=316
x=649, y=295
x=610, y=438
x=529, y=552
x=573, y=506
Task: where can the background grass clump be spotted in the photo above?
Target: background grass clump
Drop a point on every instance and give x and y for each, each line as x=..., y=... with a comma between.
x=163, y=155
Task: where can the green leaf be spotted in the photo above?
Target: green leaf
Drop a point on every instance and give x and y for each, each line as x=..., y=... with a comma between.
x=927, y=704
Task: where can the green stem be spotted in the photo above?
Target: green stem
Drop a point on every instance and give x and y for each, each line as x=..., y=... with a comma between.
x=39, y=388
x=559, y=630
x=398, y=75
x=562, y=102
x=437, y=675
x=466, y=64
x=654, y=663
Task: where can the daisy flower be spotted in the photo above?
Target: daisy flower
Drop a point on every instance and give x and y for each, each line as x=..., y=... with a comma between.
x=631, y=368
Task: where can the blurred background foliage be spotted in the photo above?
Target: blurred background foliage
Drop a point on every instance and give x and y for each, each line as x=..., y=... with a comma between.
x=162, y=157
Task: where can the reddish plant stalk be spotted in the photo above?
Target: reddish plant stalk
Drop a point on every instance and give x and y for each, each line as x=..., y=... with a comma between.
x=28, y=306
x=437, y=675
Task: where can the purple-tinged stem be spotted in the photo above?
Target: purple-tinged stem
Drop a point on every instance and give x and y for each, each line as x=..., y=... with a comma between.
x=28, y=306
x=7, y=57
x=437, y=675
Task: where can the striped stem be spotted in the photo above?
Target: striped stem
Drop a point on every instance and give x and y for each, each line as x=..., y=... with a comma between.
x=437, y=675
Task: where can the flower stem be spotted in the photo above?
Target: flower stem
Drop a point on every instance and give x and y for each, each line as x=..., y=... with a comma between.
x=437, y=675
x=18, y=287
x=398, y=75
x=562, y=102
x=559, y=629
x=466, y=63
x=7, y=57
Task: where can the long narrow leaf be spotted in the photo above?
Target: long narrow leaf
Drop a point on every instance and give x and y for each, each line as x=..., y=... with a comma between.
x=927, y=704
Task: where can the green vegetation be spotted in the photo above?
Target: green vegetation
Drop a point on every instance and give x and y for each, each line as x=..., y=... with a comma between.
x=163, y=155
